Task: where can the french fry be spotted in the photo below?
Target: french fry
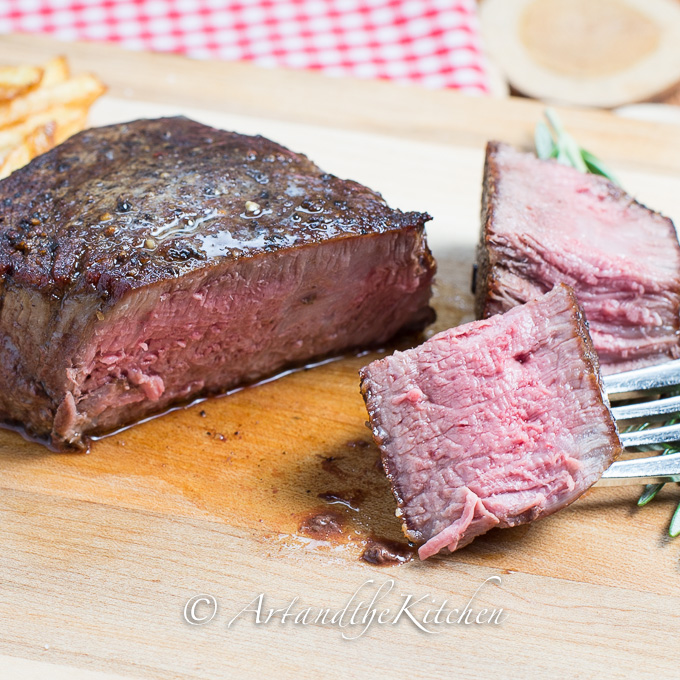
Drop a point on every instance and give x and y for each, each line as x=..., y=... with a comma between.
x=66, y=127
x=49, y=129
x=83, y=89
x=55, y=71
x=41, y=107
x=38, y=141
x=13, y=135
x=15, y=80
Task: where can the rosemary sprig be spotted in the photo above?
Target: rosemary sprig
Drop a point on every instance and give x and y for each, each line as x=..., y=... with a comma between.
x=651, y=490
x=553, y=141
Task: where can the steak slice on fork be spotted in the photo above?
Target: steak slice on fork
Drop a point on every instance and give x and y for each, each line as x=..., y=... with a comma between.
x=495, y=423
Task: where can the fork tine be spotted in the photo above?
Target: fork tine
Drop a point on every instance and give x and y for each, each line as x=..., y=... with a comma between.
x=662, y=468
x=655, y=407
x=643, y=470
x=656, y=435
x=663, y=375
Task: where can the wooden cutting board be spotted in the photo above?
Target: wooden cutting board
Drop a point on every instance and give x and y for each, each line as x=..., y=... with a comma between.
x=100, y=553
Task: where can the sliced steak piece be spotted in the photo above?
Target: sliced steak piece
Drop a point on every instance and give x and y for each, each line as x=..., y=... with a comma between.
x=544, y=223
x=148, y=263
x=495, y=423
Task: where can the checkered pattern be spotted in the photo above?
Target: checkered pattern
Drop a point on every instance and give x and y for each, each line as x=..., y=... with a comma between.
x=431, y=42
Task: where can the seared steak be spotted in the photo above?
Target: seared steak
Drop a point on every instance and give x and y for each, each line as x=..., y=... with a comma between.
x=493, y=424
x=147, y=263
x=544, y=223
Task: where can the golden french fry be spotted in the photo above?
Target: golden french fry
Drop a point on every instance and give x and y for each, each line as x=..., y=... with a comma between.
x=14, y=135
x=83, y=89
x=38, y=141
x=63, y=116
x=41, y=139
x=43, y=107
x=15, y=80
x=49, y=129
x=55, y=71
x=67, y=127
x=16, y=159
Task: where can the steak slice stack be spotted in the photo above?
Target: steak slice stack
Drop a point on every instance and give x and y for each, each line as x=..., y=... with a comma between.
x=148, y=263
x=492, y=424
x=544, y=223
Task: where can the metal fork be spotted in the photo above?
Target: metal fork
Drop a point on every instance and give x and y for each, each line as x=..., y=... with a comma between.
x=655, y=469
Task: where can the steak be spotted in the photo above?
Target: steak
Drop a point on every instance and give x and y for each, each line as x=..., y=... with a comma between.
x=495, y=423
x=148, y=263
x=544, y=223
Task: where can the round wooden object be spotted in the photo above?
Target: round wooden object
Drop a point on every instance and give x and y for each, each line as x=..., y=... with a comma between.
x=588, y=52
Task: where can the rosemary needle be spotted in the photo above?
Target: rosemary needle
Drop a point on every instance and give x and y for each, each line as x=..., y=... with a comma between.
x=545, y=146
x=651, y=490
x=649, y=493
x=674, y=528
x=553, y=141
x=596, y=166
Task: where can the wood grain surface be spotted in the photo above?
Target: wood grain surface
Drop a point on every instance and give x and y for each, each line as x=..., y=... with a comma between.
x=100, y=553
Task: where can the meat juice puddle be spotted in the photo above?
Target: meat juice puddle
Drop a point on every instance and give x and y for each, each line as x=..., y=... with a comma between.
x=349, y=517
x=336, y=502
x=27, y=436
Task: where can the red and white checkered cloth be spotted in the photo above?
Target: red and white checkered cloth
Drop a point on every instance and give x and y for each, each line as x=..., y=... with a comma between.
x=432, y=42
